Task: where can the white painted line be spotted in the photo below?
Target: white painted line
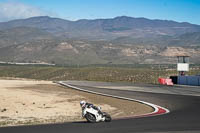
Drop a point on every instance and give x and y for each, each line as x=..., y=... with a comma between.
x=155, y=107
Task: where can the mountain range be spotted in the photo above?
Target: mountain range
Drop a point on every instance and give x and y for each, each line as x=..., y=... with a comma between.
x=120, y=40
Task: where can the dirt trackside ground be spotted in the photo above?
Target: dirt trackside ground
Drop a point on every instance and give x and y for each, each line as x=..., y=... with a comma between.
x=36, y=102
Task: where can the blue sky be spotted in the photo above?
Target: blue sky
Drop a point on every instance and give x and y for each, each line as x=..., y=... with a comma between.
x=178, y=10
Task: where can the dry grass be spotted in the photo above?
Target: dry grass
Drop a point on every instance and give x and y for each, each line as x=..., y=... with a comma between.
x=108, y=74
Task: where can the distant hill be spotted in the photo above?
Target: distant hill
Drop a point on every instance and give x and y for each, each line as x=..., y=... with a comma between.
x=187, y=39
x=19, y=35
x=120, y=40
x=105, y=29
x=43, y=23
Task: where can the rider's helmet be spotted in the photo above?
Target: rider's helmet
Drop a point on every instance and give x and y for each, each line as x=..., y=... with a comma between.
x=82, y=103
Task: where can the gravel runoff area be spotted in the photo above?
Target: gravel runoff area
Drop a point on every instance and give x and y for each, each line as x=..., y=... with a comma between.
x=25, y=101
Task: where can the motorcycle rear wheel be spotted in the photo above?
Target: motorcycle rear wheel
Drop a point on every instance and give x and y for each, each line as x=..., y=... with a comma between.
x=107, y=117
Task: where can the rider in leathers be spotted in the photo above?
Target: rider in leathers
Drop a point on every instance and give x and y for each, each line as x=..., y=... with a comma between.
x=84, y=105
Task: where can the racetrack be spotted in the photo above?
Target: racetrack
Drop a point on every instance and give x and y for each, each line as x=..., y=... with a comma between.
x=183, y=117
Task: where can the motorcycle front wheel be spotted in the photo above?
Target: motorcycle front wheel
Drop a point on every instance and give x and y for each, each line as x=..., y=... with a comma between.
x=90, y=118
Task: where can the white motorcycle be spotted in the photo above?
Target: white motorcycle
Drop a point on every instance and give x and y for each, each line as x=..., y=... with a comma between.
x=93, y=115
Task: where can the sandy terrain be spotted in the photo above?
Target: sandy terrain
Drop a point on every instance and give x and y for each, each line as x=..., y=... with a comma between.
x=35, y=102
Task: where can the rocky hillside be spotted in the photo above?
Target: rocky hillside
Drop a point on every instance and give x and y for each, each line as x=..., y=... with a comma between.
x=121, y=40
x=84, y=52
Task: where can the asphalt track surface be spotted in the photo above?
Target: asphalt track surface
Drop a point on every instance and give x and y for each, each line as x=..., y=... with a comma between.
x=184, y=116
